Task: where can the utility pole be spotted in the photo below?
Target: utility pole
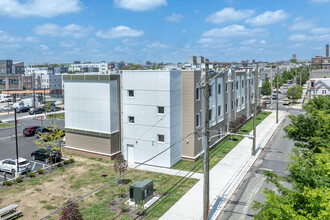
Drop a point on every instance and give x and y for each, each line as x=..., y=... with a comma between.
x=16, y=141
x=278, y=77
x=34, y=92
x=300, y=77
x=255, y=111
x=206, y=189
x=271, y=87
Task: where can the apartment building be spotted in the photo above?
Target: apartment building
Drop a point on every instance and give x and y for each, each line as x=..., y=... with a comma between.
x=52, y=82
x=92, y=114
x=231, y=94
x=10, y=82
x=160, y=111
x=152, y=116
x=100, y=67
x=6, y=66
x=18, y=68
x=320, y=62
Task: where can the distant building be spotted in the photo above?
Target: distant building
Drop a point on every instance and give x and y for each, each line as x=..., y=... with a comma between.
x=10, y=82
x=192, y=60
x=320, y=73
x=200, y=60
x=320, y=62
x=294, y=56
x=18, y=68
x=6, y=66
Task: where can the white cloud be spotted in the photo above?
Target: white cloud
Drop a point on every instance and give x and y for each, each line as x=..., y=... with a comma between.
x=267, y=18
x=196, y=11
x=5, y=37
x=262, y=42
x=320, y=30
x=174, y=17
x=250, y=41
x=304, y=37
x=157, y=44
x=119, y=32
x=44, y=47
x=71, y=30
x=224, y=34
x=319, y=1
x=31, y=39
x=123, y=49
x=301, y=24
x=39, y=8
x=229, y=15
x=139, y=5
x=233, y=31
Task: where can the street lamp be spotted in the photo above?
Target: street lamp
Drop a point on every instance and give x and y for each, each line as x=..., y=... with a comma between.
x=14, y=101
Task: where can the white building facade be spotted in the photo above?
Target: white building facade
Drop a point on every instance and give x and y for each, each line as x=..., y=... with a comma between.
x=151, y=116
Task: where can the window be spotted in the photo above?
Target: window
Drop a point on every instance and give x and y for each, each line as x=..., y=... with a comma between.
x=219, y=110
x=324, y=92
x=210, y=114
x=232, y=105
x=161, y=109
x=312, y=84
x=219, y=88
x=197, y=94
x=236, y=84
x=197, y=120
x=232, y=86
x=226, y=87
x=226, y=107
x=161, y=138
x=242, y=83
x=242, y=100
x=130, y=93
x=252, y=81
x=210, y=91
x=236, y=102
x=131, y=119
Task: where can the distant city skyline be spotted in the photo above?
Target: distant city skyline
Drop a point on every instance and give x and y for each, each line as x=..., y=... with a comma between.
x=62, y=31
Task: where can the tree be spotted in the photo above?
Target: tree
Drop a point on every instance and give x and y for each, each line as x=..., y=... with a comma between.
x=275, y=82
x=71, y=212
x=120, y=164
x=295, y=92
x=266, y=87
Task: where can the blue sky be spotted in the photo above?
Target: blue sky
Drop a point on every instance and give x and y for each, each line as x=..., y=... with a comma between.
x=36, y=31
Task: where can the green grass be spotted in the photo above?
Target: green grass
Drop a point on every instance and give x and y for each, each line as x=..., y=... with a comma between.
x=55, y=116
x=7, y=125
x=222, y=149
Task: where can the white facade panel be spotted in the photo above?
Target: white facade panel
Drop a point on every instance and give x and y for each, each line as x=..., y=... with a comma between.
x=91, y=106
x=152, y=89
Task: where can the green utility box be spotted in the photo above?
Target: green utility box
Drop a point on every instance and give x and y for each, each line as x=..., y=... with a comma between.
x=141, y=190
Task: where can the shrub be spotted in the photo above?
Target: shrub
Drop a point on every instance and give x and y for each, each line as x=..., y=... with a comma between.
x=19, y=179
x=123, y=205
x=71, y=160
x=40, y=171
x=71, y=212
x=59, y=165
x=7, y=183
x=66, y=162
x=31, y=174
x=122, y=191
x=140, y=207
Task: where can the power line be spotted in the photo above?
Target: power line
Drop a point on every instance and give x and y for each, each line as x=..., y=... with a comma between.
x=195, y=167
x=127, y=172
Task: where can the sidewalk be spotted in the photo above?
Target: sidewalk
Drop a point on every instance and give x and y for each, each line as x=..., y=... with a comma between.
x=225, y=176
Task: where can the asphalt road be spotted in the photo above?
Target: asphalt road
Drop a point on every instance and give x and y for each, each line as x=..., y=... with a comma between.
x=274, y=158
x=25, y=144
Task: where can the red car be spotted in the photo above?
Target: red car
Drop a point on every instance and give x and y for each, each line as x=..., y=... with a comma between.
x=30, y=130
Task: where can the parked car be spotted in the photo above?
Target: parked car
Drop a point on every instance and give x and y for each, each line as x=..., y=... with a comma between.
x=22, y=109
x=41, y=130
x=30, y=130
x=47, y=154
x=54, y=109
x=50, y=135
x=291, y=82
x=5, y=108
x=37, y=111
x=268, y=101
x=274, y=96
x=10, y=165
x=286, y=101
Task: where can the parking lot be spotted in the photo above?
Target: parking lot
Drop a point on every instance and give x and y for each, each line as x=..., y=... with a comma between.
x=26, y=145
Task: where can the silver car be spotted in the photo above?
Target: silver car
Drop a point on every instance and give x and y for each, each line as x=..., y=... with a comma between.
x=10, y=166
